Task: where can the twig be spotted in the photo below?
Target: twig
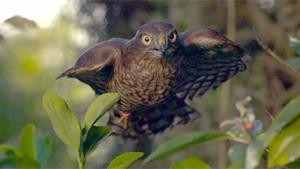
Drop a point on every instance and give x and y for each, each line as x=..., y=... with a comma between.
x=283, y=65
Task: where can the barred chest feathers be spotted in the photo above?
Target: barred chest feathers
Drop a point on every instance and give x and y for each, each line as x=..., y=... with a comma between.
x=144, y=84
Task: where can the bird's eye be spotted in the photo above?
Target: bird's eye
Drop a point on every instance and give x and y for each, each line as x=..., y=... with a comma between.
x=146, y=40
x=173, y=37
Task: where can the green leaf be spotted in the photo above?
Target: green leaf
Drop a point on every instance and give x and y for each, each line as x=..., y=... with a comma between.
x=63, y=120
x=285, y=148
x=290, y=112
x=191, y=163
x=183, y=142
x=99, y=107
x=124, y=160
x=10, y=155
x=95, y=135
x=7, y=148
x=27, y=142
x=27, y=163
x=44, y=149
x=256, y=149
x=237, y=156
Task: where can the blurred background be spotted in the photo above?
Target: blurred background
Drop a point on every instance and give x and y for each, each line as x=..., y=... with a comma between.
x=40, y=39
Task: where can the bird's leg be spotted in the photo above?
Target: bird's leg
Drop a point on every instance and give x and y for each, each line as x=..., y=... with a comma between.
x=124, y=119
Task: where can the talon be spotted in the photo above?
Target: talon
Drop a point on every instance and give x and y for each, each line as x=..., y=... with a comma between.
x=124, y=119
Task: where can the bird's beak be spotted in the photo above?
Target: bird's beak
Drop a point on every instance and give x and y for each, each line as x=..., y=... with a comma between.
x=162, y=44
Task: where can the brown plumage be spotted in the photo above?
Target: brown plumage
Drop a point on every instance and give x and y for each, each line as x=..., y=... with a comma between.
x=157, y=73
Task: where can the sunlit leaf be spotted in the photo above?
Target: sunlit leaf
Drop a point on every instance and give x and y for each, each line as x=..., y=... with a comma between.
x=124, y=160
x=27, y=142
x=44, y=149
x=237, y=155
x=183, y=142
x=99, y=107
x=94, y=137
x=285, y=148
x=286, y=115
x=191, y=163
x=7, y=148
x=63, y=120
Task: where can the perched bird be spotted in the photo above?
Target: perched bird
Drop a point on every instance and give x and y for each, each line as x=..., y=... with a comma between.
x=157, y=73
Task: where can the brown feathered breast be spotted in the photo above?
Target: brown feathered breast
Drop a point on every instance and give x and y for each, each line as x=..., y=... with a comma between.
x=144, y=81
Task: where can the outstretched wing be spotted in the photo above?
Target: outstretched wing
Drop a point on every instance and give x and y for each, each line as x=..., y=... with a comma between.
x=205, y=60
x=95, y=66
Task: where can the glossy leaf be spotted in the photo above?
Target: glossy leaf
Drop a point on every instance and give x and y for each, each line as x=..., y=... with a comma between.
x=124, y=160
x=94, y=137
x=285, y=148
x=63, y=120
x=99, y=107
x=191, y=163
x=183, y=142
x=286, y=115
x=27, y=142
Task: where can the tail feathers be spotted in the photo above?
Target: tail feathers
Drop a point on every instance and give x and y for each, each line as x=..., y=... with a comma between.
x=172, y=113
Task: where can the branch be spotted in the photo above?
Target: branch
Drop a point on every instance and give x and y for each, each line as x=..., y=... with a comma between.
x=277, y=60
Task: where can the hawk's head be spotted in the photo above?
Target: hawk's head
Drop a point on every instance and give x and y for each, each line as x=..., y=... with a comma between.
x=156, y=37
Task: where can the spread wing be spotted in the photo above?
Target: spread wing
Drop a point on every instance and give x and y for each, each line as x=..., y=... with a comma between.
x=206, y=59
x=95, y=66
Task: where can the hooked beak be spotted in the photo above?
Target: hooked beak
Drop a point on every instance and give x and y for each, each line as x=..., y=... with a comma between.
x=162, y=44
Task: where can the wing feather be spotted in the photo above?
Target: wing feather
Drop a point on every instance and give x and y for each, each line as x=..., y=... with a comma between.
x=96, y=65
x=207, y=60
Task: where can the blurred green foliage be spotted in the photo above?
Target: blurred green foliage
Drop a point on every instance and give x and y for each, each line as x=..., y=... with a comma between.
x=82, y=139
x=33, y=152
x=31, y=59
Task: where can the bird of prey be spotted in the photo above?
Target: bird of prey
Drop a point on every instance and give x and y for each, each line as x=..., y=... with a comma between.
x=157, y=73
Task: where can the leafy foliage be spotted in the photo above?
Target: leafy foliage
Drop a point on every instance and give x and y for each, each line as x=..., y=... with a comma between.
x=26, y=156
x=64, y=121
x=183, y=142
x=99, y=107
x=82, y=140
x=191, y=162
x=27, y=142
x=124, y=160
x=282, y=139
x=94, y=137
x=285, y=147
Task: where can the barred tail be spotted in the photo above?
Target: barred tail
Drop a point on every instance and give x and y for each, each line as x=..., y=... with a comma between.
x=166, y=115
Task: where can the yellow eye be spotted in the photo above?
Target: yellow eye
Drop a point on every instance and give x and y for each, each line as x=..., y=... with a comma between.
x=146, y=40
x=173, y=37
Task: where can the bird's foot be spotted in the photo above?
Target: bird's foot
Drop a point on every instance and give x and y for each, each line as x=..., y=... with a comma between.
x=124, y=119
